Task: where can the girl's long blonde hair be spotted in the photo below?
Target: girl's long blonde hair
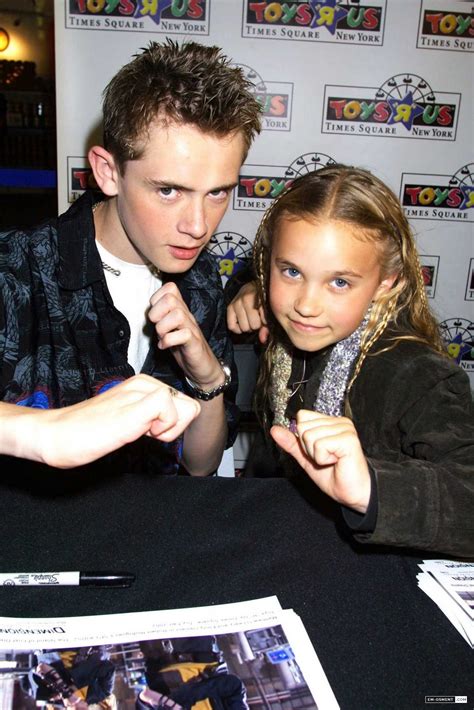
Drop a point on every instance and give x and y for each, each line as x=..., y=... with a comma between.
x=354, y=196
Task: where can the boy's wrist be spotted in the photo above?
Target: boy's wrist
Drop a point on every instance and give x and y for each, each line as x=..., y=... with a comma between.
x=208, y=393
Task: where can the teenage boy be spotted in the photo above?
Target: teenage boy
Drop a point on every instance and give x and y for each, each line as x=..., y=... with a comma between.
x=122, y=283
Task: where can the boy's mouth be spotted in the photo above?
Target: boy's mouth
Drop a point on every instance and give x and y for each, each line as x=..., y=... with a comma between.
x=184, y=253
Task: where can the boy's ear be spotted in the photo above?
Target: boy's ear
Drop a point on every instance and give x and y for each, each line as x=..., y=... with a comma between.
x=105, y=170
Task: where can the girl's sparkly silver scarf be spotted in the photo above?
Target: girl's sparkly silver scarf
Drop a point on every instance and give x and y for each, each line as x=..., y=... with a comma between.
x=334, y=380
x=335, y=377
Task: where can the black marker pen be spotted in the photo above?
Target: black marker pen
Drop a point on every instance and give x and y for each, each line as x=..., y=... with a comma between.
x=69, y=579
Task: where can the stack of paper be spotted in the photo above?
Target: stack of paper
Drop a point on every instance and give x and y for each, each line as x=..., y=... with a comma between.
x=450, y=584
x=262, y=651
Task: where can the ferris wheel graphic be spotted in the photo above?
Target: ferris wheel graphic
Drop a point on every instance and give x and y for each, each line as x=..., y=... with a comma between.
x=463, y=177
x=221, y=243
x=231, y=250
x=458, y=334
x=308, y=163
x=259, y=86
x=399, y=85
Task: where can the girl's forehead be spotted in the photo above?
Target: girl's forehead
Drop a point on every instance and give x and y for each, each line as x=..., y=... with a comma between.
x=317, y=229
x=340, y=244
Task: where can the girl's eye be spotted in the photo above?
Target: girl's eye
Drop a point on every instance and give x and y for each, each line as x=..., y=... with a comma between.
x=291, y=272
x=340, y=283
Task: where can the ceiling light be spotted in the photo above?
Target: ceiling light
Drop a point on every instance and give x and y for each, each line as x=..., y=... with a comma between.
x=4, y=39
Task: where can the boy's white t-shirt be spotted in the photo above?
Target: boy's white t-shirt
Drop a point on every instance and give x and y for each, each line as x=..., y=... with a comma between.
x=131, y=292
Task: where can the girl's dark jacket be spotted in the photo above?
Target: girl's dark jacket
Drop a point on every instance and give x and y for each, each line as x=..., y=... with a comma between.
x=413, y=411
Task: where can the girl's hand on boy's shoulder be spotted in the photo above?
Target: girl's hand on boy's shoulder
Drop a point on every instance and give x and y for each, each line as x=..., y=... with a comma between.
x=329, y=450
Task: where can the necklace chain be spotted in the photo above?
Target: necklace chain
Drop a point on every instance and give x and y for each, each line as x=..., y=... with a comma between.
x=296, y=385
x=107, y=267
x=116, y=272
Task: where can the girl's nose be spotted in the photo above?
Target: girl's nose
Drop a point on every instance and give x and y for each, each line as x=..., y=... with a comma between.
x=308, y=303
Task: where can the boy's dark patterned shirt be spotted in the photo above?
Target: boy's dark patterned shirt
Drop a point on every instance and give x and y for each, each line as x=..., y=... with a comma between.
x=63, y=341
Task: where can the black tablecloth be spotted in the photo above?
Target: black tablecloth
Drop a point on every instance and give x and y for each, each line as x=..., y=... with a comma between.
x=381, y=641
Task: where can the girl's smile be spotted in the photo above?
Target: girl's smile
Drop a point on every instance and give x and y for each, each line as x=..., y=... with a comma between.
x=306, y=327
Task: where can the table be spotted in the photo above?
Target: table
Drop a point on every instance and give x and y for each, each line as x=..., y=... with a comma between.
x=381, y=641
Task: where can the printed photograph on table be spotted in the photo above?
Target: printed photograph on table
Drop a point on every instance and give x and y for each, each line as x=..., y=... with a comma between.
x=224, y=656
x=254, y=668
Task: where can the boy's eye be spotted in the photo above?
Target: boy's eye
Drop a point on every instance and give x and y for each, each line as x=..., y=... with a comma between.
x=220, y=194
x=167, y=191
x=340, y=283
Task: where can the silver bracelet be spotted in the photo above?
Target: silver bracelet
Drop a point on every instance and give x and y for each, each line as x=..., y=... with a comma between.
x=206, y=395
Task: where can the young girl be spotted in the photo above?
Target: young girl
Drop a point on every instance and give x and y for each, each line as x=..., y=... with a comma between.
x=354, y=382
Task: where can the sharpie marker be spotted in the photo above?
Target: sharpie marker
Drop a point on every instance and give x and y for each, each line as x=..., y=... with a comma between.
x=66, y=579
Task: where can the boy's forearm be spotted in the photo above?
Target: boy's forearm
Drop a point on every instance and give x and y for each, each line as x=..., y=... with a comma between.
x=205, y=438
x=20, y=431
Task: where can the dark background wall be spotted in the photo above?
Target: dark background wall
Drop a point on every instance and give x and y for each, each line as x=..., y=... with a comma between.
x=27, y=113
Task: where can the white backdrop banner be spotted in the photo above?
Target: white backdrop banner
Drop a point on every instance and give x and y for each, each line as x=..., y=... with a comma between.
x=382, y=84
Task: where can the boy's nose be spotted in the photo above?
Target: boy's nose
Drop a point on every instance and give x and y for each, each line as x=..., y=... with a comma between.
x=193, y=220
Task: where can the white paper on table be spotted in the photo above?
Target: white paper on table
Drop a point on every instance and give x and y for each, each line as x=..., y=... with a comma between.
x=456, y=578
x=309, y=662
x=241, y=621
x=448, y=606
